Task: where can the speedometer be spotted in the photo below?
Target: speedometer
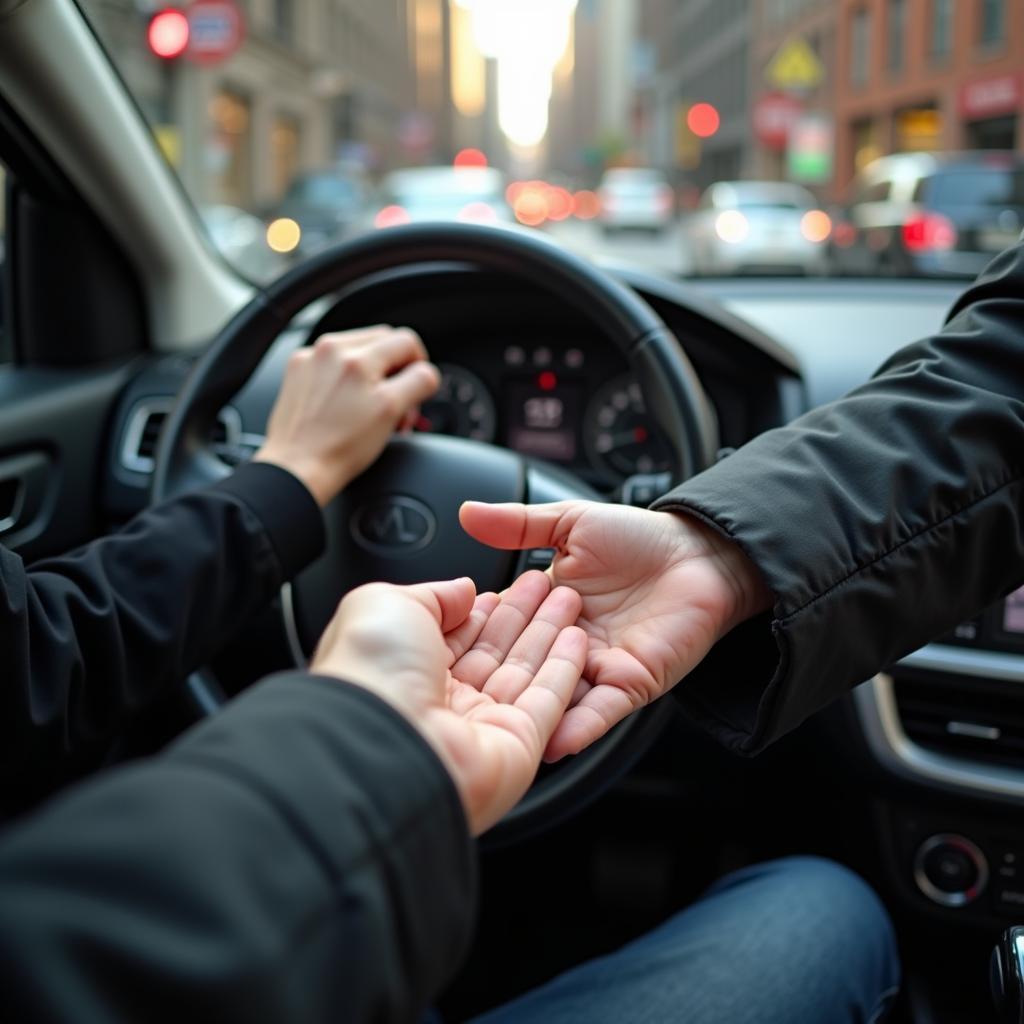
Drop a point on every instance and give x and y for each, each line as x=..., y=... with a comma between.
x=462, y=406
x=618, y=433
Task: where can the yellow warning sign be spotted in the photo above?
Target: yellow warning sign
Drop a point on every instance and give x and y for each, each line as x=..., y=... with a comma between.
x=795, y=66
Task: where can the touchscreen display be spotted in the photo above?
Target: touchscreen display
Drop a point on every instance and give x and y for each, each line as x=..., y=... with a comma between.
x=1013, y=612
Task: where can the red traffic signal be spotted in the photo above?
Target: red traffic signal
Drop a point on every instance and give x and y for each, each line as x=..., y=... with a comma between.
x=703, y=120
x=168, y=33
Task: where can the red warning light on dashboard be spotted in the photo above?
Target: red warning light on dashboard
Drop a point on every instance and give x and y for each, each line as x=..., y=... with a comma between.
x=547, y=381
x=168, y=33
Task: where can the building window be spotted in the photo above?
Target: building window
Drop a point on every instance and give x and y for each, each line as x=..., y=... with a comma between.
x=992, y=24
x=860, y=49
x=285, y=138
x=228, y=149
x=942, y=28
x=896, y=35
x=284, y=20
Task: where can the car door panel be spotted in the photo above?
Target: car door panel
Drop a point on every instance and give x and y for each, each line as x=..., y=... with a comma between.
x=53, y=427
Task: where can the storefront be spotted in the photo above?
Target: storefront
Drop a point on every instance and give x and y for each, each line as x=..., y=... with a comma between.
x=989, y=110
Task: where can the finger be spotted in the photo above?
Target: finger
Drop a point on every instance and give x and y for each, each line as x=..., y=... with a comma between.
x=561, y=608
x=547, y=696
x=582, y=689
x=387, y=352
x=449, y=601
x=515, y=526
x=598, y=710
x=503, y=628
x=410, y=386
x=462, y=638
x=351, y=338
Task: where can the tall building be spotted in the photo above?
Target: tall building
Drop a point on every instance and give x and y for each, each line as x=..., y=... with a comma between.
x=927, y=74
x=310, y=85
x=705, y=57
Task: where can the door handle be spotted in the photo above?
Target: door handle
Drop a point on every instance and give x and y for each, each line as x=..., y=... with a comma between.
x=12, y=501
x=24, y=484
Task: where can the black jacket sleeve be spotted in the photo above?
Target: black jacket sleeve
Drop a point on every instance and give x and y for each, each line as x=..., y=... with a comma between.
x=302, y=856
x=93, y=636
x=879, y=521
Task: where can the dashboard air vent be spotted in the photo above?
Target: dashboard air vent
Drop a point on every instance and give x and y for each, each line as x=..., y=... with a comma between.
x=143, y=431
x=977, y=720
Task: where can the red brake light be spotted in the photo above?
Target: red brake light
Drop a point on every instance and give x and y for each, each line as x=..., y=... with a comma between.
x=926, y=232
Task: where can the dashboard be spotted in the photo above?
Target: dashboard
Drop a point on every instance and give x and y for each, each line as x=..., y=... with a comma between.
x=576, y=406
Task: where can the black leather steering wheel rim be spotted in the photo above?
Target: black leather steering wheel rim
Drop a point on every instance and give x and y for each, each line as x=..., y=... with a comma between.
x=672, y=391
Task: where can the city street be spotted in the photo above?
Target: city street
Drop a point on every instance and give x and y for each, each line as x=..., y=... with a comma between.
x=665, y=252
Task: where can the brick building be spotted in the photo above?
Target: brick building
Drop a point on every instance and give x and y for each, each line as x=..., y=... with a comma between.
x=926, y=74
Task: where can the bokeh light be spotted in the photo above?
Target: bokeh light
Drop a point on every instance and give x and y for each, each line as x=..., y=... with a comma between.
x=168, y=33
x=283, y=234
x=702, y=119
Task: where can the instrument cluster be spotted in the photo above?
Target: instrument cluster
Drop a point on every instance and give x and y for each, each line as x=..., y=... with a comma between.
x=577, y=407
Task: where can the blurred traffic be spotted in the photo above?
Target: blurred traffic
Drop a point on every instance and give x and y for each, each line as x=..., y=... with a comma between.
x=780, y=140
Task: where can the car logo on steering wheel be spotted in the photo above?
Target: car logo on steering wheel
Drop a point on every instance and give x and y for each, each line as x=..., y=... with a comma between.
x=394, y=526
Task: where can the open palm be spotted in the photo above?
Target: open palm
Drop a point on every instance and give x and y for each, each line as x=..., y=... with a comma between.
x=658, y=590
x=444, y=657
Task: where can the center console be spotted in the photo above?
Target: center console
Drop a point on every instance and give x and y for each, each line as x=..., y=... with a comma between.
x=950, y=719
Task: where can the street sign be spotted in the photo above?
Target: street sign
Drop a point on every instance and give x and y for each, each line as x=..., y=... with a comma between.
x=774, y=115
x=809, y=154
x=795, y=66
x=216, y=30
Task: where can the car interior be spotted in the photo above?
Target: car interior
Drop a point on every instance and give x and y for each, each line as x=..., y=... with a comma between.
x=127, y=344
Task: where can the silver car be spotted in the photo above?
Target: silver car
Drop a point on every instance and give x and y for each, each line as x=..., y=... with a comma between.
x=758, y=227
x=635, y=198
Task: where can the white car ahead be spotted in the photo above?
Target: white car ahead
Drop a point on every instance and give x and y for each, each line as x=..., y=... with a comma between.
x=758, y=227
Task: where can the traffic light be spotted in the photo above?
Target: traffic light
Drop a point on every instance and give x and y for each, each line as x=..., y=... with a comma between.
x=167, y=34
x=703, y=120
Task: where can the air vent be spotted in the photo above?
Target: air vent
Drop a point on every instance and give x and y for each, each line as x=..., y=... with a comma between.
x=145, y=423
x=976, y=720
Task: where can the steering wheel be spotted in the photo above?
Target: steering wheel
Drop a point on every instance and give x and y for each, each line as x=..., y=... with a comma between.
x=398, y=521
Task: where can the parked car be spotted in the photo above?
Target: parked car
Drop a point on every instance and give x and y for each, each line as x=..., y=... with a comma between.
x=324, y=205
x=758, y=226
x=930, y=214
x=637, y=198
x=241, y=238
x=474, y=194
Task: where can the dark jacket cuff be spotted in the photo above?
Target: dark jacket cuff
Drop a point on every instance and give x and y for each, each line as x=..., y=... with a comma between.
x=289, y=513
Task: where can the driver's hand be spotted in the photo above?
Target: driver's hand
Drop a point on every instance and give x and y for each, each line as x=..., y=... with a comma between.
x=435, y=650
x=658, y=589
x=340, y=401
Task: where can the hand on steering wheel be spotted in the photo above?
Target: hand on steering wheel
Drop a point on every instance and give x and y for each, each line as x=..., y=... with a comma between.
x=437, y=652
x=658, y=590
x=340, y=401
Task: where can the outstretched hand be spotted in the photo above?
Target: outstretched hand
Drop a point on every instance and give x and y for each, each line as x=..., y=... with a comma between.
x=447, y=659
x=658, y=590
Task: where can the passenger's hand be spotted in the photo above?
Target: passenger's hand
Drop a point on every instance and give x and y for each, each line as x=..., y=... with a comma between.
x=658, y=588
x=435, y=652
x=340, y=401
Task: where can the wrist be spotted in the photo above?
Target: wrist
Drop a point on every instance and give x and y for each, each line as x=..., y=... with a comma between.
x=739, y=576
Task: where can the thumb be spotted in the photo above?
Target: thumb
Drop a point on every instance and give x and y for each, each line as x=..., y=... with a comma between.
x=514, y=526
x=449, y=601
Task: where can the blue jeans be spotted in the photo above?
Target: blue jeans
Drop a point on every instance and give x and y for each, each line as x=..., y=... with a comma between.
x=792, y=941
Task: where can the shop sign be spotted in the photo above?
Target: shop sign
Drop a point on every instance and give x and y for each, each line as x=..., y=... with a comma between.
x=216, y=30
x=774, y=115
x=990, y=97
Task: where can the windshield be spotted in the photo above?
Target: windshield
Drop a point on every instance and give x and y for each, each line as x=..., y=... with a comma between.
x=624, y=129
